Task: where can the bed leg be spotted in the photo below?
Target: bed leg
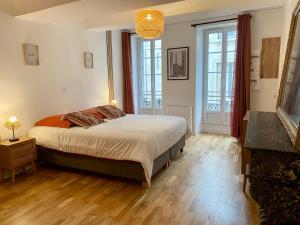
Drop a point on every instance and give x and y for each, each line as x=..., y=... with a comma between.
x=181, y=150
x=145, y=185
x=168, y=164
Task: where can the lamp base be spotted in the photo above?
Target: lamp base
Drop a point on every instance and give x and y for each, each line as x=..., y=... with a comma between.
x=13, y=139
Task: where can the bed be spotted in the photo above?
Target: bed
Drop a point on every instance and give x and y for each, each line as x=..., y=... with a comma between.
x=134, y=146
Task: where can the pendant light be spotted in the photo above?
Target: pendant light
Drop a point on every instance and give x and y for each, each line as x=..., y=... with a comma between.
x=149, y=23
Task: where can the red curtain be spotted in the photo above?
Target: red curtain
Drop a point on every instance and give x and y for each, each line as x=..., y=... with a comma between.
x=128, y=106
x=241, y=97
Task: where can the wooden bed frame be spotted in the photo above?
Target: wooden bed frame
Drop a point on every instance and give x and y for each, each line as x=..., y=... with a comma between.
x=119, y=168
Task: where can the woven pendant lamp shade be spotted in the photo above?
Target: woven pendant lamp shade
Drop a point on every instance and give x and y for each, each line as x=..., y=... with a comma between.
x=149, y=23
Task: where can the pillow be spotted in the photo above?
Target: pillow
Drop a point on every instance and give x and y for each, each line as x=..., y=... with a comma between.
x=54, y=121
x=110, y=111
x=94, y=112
x=83, y=119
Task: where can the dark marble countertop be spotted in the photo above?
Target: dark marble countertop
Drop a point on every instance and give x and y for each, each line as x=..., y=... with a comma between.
x=266, y=132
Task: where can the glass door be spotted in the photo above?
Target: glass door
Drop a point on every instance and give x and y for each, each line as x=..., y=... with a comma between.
x=150, y=77
x=220, y=50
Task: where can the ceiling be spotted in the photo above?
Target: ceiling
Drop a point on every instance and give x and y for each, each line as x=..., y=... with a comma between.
x=117, y=14
x=21, y=7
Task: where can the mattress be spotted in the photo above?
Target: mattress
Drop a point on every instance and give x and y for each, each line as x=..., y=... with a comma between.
x=139, y=138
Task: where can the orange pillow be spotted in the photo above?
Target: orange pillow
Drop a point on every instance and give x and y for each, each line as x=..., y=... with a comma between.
x=54, y=121
x=94, y=112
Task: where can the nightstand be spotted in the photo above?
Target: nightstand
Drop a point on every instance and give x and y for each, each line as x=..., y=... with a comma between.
x=17, y=154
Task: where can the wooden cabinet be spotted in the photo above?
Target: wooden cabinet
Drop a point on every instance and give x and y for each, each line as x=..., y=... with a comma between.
x=17, y=154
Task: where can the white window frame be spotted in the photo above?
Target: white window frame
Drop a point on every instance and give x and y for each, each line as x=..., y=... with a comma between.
x=152, y=109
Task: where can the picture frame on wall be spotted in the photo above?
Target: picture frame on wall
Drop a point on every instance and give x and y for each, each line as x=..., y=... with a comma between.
x=88, y=60
x=31, y=54
x=178, y=63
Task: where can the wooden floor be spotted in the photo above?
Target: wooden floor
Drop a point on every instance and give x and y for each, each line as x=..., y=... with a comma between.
x=202, y=186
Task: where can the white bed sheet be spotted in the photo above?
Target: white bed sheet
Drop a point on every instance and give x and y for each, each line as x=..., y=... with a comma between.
x=139, y=138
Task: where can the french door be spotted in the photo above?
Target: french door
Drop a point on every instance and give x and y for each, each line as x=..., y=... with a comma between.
x=150, y=77
x=219, y=66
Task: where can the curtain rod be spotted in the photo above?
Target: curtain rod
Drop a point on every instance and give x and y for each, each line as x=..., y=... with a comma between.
x=211, y=22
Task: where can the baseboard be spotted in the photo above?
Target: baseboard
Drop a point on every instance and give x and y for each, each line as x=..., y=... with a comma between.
x=215, y=129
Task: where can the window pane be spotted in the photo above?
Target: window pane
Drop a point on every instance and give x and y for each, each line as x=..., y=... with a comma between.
x=158, y=72
x=230, y=57
x=146, y=45
x=147, y=100
x=146, y=49
x=230, y=68
x=158, y=86
x=146, y=91
x=158, y=91
x=146, y=74
x=158, y=100
x=158, y=65
x=231, y=41
x=147, y=66
x=214, y=92
x=147, y=83
x=220, y=73
x=214, y=62
x=157, y=43
x=147, y=53
x=215, y=42
x=151, y=89
x=214, y=72
x=229, y=93
x=157, y=52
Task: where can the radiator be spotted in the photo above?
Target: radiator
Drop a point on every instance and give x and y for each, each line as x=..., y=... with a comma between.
x=185, y=111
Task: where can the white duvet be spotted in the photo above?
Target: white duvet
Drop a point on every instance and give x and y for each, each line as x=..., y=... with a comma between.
x=140, y=138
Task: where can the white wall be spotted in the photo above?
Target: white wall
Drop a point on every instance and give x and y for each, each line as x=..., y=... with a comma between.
x=180, y=92
x=265, y=24
x=61, y=83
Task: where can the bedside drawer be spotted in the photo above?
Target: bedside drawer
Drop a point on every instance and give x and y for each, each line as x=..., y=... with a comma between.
x=24, y=159
x=22, y=150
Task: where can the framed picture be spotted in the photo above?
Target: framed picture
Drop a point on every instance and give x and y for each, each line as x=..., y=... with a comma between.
x=31, y=54
x=88, y=60
x=178, y=63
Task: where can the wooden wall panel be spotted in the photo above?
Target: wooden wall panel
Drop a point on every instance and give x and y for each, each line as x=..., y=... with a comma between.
x=110, y=69
x=269, y=60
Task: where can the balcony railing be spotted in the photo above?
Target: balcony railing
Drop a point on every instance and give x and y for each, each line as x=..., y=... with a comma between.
x=147, y=100
x=214, y=101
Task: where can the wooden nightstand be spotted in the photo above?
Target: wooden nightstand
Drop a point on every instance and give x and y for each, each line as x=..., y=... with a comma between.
x=17, y=154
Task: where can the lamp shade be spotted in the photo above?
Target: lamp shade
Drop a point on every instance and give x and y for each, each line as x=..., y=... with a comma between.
x=12, y=123
x=149, y=23
x=114, y=102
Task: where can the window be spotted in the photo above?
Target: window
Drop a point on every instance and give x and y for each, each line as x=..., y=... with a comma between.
x=220, y=50
x=150, y=84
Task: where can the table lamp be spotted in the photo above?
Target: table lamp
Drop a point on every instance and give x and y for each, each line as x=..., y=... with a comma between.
x=114, y=102
x=13, y=124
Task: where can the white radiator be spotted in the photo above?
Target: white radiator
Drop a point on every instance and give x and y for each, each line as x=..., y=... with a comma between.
x=185, y=111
